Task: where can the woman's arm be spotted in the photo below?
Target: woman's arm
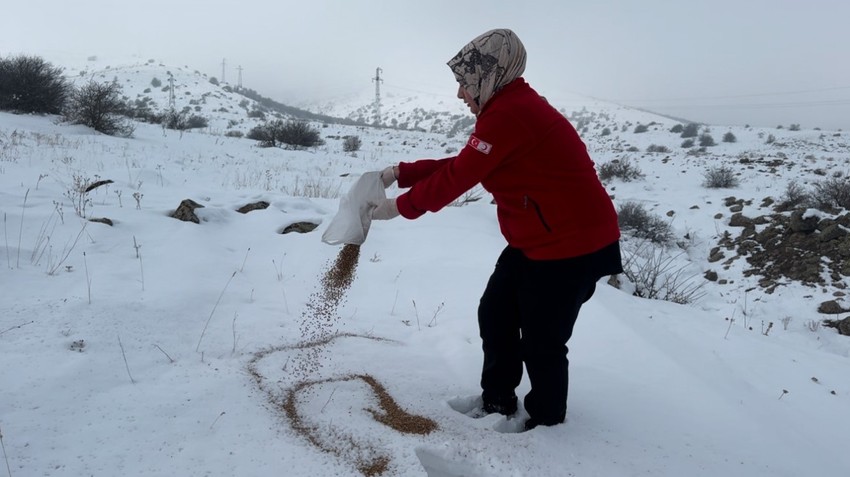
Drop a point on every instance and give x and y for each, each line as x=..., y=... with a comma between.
x=410, y=173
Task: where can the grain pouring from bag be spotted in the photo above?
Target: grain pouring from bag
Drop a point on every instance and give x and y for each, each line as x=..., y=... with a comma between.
x=338, y=278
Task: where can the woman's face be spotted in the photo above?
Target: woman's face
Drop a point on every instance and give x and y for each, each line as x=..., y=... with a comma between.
x=463, y=94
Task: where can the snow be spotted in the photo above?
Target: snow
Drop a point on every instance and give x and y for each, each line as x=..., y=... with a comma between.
x=161, y=347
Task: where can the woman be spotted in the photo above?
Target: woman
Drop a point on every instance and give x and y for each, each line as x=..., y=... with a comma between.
x=558, y=220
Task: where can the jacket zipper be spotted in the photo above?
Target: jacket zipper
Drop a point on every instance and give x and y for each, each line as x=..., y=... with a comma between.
x=526, y=200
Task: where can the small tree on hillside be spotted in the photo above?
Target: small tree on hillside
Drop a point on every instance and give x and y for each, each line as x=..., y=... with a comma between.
x=297, y=134
x=28, y=84
x=691, y=130
x=266, y=134
x=729, y=137
x=292, y=134
x=705, y=140
x=100, y=107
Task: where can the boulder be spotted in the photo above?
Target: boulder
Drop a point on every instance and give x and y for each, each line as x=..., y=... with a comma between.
x=261, y=205
x=186, y=211
x=831, y=307
x=805, y=225
x=300, y=227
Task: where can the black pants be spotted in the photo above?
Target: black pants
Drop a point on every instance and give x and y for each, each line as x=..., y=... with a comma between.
x=526, y=315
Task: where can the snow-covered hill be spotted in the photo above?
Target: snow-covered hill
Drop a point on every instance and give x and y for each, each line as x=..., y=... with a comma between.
x=160, y=347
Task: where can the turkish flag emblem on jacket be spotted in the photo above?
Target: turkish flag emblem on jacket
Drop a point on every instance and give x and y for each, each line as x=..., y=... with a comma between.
x=479, y=145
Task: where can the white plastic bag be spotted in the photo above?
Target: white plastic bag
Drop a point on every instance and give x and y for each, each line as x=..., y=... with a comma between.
x=351, y=223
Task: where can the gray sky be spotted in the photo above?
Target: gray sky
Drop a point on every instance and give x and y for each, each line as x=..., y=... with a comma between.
x=760, y=62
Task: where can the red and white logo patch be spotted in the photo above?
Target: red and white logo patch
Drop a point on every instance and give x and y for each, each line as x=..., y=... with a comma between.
x=479, y=145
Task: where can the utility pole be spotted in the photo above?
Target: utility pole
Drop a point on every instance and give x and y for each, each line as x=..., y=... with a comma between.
x=239, y=84
x=223, y=63
x=171, y=102
x=377, y=79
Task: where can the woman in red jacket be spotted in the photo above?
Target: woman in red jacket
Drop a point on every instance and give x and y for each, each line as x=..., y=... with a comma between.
x=558, y=220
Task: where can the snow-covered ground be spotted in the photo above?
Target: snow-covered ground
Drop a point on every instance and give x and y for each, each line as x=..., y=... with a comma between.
x=160, y=347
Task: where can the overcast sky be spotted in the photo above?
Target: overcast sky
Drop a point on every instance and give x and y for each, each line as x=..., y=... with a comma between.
x=760, y=62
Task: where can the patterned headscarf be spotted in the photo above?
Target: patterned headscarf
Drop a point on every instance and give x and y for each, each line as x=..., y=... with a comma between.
x=488, y=63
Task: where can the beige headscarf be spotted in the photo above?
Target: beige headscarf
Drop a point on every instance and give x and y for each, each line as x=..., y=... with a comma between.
x=488, y=63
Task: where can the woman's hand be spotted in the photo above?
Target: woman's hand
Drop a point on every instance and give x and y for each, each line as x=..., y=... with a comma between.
x=384, y=209
x=389, y=176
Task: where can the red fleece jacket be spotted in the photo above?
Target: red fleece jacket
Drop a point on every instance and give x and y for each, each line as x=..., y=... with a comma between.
x=549, y=200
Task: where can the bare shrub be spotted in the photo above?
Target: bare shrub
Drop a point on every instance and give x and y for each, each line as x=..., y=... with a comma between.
x=691, y=130
x=619, y=168
x=100, y=107
x=832, y=193
x=28, y=84
x=657, y=148
x=182, y=120
x=313, y=187
x=641, y=128
x=720, y=177
x=196, y=121
x=351, y=143
x=264, y=134
x=656, y=274
x=729, y=137
x=687, y=143
x=795, y=196
x=472, y=195
x=296, y=134
x=635, y=220
x=292, y=134
x=705, y=140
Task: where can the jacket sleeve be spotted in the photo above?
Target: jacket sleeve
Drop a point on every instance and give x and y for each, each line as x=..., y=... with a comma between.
x=495, y=138
x=409, y=173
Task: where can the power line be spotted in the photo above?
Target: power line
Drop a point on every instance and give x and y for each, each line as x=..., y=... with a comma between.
x=421, y=91
x=831, y=102
x=734, y=96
